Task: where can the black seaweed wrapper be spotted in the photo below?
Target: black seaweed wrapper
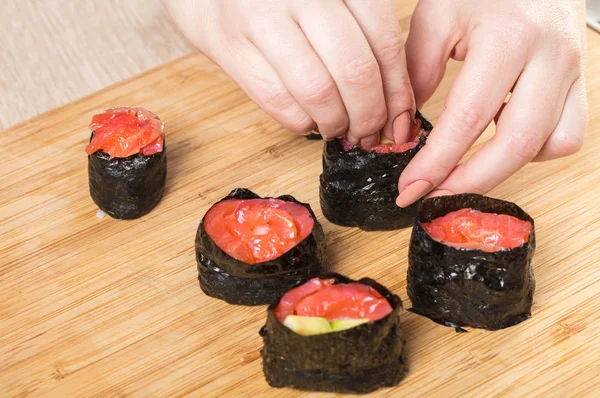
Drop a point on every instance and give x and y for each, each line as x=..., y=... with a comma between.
x=460, y=287
x=127, y=188
x=358, y=360
x=359, y=188
x=236, y=282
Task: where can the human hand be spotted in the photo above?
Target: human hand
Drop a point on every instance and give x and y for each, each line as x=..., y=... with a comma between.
x=338, y=66
x=534, y=49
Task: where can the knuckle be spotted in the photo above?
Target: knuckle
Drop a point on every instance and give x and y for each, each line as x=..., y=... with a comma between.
x=468, y=123
x=567, y=144
x=335, y=125
x=518, y=28
x=567, y=44
x=370, y=123
x=360, y=71
x=277, y=99
x=525, y=145
x=340, y=130
x=390, y=50
x=569, y=147
x=401, y=99
x=319, y=92
x=571, y=53
x=300, y=123
x=565, y=32
x=567, y=41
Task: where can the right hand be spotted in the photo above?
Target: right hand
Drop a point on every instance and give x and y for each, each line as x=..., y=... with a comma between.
x=335, y=66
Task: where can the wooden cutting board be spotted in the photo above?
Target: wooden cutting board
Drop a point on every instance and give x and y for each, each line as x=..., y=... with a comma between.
x=100, y=307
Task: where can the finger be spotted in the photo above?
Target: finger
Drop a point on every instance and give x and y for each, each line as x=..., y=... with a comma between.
x=298, y=66
x=476, y=95
x=528, y=119
x=428, y=47
x=338, y=40
x=251, y=71
x=568, y=136
x=378, y=22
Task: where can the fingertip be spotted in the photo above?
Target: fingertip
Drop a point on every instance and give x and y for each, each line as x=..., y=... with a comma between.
x=413, y=192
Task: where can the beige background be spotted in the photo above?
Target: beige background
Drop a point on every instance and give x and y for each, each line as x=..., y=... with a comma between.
x=79, y=47
x=54, y=52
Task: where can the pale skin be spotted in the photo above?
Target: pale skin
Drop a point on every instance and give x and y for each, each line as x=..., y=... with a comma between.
x=342, y=67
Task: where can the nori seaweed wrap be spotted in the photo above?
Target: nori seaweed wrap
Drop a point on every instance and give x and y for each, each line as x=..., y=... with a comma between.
x=359, y=360
x=238, y=282
x=469, y=287
x=358, y=188
x=126, y=187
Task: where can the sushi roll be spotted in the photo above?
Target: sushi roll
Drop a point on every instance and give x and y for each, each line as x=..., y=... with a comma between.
x=470, y=262
x=250, y=250
x=333, y=334
x=359, y=187
x=127, y=161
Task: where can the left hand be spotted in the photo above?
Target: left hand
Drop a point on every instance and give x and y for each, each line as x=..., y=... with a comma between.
x=533, y=49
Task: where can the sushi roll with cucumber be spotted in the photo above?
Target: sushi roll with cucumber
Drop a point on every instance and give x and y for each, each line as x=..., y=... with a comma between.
x=250, y=250
x=127, y=161
x=359, y=186
x=334, y=334
x=470, y=262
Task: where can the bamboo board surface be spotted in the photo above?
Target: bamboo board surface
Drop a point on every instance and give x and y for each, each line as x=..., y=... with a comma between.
x=99, y=307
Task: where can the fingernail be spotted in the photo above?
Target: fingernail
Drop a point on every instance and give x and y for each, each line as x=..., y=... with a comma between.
x=401, y=128
x=439, y=192
x=414, y=191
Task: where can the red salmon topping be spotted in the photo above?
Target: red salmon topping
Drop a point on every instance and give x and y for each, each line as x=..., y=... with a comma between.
x=390, y=147
x=257, y=230
x=320, y=297
x=122, y=132
x=472, y=229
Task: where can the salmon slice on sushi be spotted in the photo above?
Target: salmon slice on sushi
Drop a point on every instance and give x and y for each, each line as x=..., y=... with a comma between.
x=249, y=249
x=470, y=262
x=359, y=186
x=334, y=334
x=322, y=298
x=477, y=230
x=127, y=161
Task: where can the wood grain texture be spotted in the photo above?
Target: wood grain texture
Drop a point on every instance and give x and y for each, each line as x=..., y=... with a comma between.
x=98, y=307
x=56, y=51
